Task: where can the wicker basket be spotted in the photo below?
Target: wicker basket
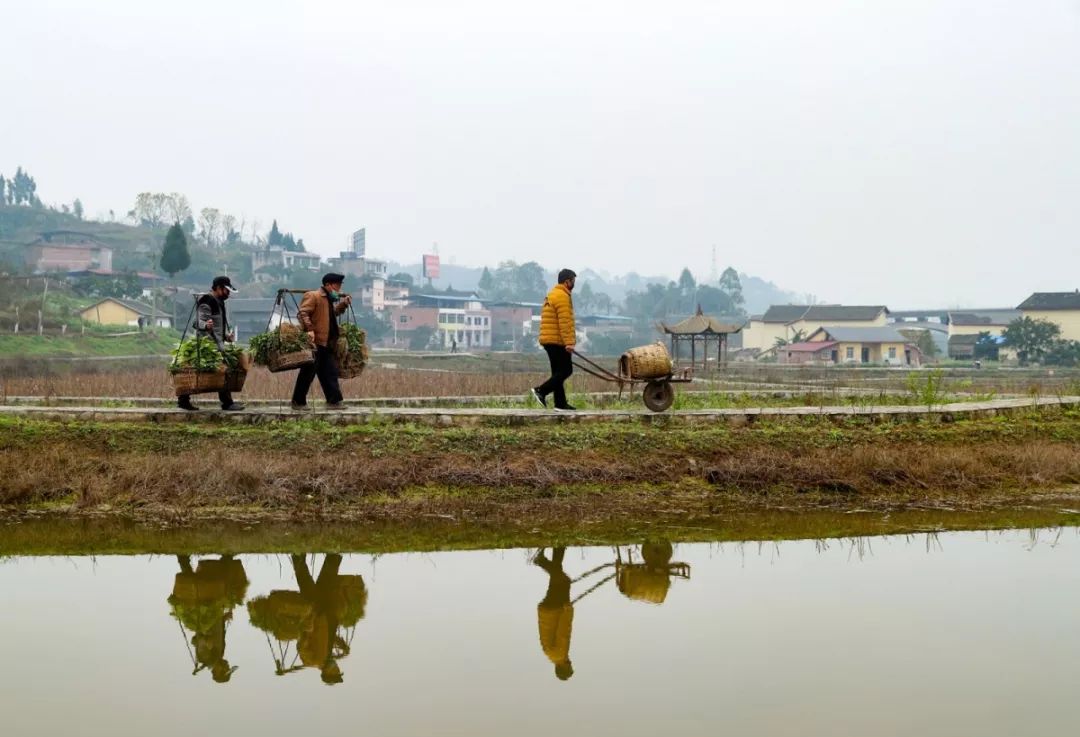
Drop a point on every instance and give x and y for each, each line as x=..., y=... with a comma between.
x=235, y=382
x=647, y=362
x=350, y=365
x=643, y=584
x=190, y=381
x=289, y=361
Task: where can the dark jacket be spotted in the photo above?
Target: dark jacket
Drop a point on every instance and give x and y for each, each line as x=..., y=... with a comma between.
x=210, y=307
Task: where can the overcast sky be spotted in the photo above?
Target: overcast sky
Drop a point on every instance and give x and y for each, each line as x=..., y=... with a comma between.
x=914, y=153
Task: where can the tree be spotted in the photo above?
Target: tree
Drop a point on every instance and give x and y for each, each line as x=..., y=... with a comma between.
x=22, y=189
x=300, y=245
x=402, y=278
x=585, y=299
x=288, y=242
x=1062, y=353
x=77, y=208
x=274, y=238
x=986, y=347
x=487, y=283
x=732, y=287
x=1031, y=338
x=687, y=284
x=209, y=222
x=176, y=207
x=151, y=209
x=228, y=229
x=420, y=339
x=797, y=337
x=174, y=255
x=3, y=190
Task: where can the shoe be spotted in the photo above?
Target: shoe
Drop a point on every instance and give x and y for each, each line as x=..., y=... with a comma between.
x=298, y=407
x=234, y=407
x=185, y=403
x=335, y=405
x=567, y=408
x=539, y=398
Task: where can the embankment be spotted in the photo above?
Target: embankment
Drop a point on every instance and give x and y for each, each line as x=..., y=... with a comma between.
x=572, y=475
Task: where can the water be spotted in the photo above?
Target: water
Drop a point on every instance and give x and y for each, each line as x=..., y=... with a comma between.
x=954, y=634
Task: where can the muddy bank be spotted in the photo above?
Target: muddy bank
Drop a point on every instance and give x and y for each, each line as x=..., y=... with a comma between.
x=591, y=474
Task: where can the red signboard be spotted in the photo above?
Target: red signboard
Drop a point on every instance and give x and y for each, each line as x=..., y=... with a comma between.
x=431, y=266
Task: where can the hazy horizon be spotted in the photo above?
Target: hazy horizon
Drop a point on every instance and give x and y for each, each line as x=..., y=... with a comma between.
x=918, y=154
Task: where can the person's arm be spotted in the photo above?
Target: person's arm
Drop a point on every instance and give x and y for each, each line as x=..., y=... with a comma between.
x=204, y=318
x=564, y=311
x=342, y=304
x=303, y=314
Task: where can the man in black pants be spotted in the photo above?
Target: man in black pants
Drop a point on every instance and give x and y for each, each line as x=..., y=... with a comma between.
x=558, y=337
x=318, y=316
x=212, y=319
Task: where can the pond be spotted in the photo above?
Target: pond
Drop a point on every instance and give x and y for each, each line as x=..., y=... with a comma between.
x=945, y=634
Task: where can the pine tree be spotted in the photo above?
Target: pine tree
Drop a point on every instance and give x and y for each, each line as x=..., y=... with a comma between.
x=77, y=208
x=487, y=283
x=274, y=238
x=174, y=256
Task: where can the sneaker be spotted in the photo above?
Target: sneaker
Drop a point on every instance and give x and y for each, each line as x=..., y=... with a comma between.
x=567, y=408
x=234, y=407
x=539, y=398
x=298, y=407
x=185, y=403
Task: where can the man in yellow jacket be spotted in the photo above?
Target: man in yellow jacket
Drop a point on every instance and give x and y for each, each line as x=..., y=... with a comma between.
x=558, y=337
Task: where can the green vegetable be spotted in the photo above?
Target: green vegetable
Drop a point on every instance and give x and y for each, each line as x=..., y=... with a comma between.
x=201, y=353
x=282, y=339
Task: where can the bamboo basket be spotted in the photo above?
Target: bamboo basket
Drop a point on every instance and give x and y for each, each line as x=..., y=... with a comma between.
x=647, y=362
x=236, y=380
x=643, y=584
x=190, y=381
x=350, y=365
x=289, y=361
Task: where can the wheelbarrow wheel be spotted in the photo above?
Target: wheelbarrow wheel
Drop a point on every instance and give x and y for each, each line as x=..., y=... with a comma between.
x=658, y=395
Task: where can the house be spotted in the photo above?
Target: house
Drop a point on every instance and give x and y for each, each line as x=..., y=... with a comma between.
x=1060, y=308
x=250, y=316
x=459, y=318
x=795, y=322
x=975, y=322
x=116, y=311
x=511, y=323
x=66, y=250
x=270, y=258
x=822, y=352
x=860, y=345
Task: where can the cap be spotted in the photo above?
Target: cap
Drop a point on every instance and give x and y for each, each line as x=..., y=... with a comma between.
x=333, y=278
x=223, y=281
x=566, y=274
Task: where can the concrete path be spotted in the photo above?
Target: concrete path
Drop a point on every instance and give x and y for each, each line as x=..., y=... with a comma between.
x=444, y=417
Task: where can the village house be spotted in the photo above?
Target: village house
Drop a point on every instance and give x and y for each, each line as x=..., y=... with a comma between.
x=270, y=258
x=1060, y=308
x=116, y=311
x=460, y=319
x=966, y=326
x=853, y=345
x=791, y=322
x=66, y=251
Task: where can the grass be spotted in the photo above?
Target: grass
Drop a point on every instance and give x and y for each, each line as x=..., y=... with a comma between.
x=553, y=474
x=74, y=344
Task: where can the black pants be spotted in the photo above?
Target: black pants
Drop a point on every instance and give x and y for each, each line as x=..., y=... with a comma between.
x=326, y=368
x=223, y=396
x=562, y=366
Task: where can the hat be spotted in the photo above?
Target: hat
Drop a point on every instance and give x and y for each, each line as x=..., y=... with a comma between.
x=333, y=278
x=223, y=281
x=566, y=274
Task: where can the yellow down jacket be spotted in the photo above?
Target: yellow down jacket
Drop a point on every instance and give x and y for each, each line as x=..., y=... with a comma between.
x=557, y=318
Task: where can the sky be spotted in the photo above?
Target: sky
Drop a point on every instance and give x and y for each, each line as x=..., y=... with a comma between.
x=913, y=153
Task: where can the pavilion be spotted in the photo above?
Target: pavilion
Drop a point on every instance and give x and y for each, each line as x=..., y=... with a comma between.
x=700, y=327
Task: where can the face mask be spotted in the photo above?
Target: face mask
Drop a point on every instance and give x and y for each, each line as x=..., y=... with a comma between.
x=334, y=296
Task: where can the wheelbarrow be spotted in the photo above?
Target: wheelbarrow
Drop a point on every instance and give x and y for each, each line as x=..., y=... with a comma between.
x=658, y=394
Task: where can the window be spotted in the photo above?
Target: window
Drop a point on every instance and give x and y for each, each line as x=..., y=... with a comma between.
x=892, y=351
x=404, y=319
x=850, y=353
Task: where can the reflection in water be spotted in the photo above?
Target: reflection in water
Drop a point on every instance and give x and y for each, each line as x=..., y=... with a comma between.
x=320, y=618
x=202, y=601
x=647, y=581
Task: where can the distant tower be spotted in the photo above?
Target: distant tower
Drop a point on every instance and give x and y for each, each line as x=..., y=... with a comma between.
x=714, y=274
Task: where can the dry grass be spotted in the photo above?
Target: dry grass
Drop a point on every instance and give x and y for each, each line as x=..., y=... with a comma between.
x=261, y=384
